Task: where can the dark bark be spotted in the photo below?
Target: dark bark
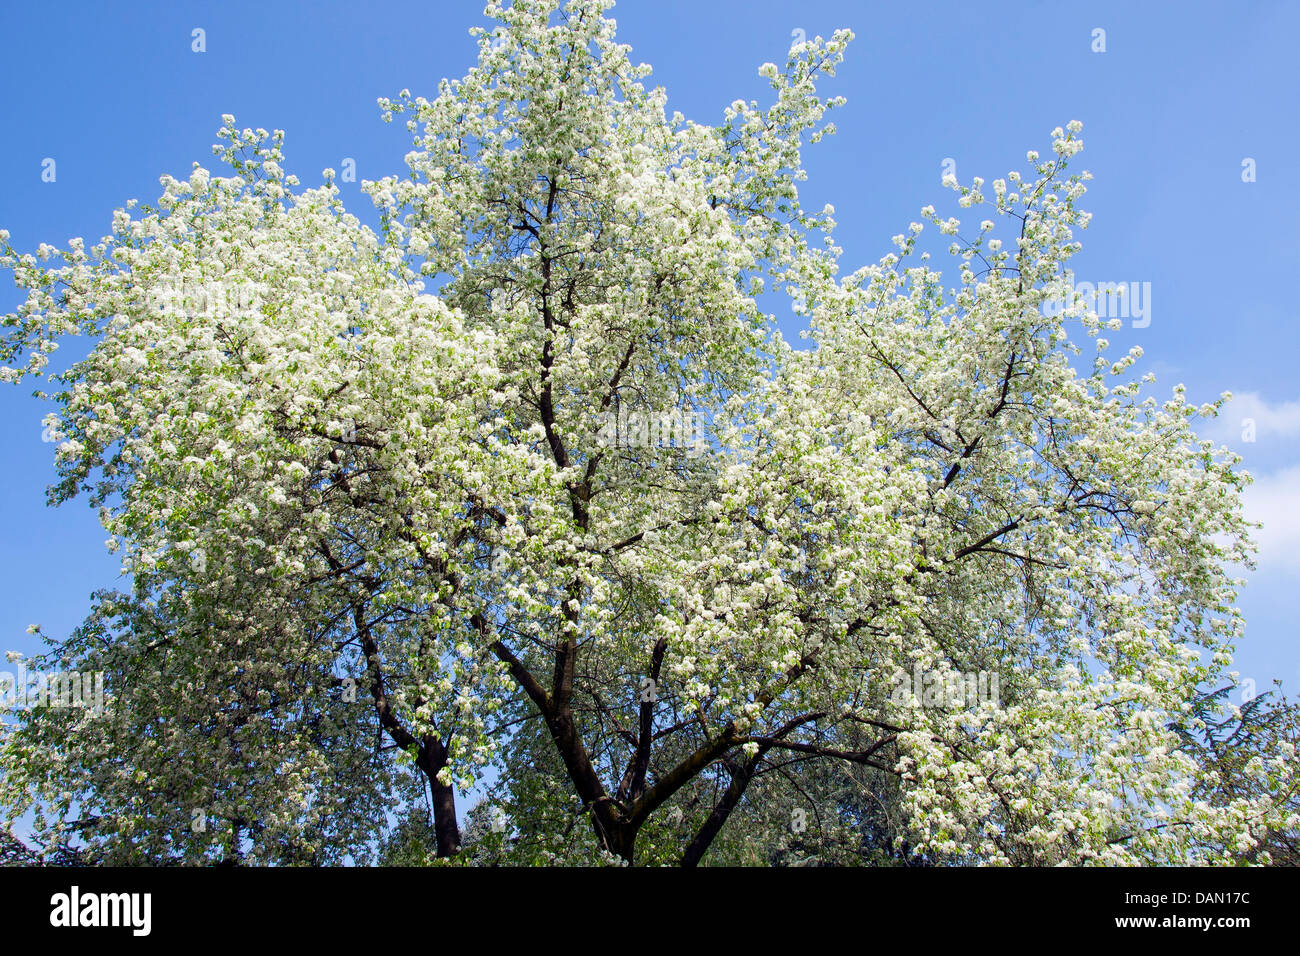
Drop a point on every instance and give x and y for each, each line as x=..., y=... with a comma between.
x=433, y=757
x=740, y=778
x=431, y=753
x=741, y=775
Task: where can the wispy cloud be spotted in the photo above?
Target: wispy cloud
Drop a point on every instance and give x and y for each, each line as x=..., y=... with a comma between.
x=1274, y=500
x=1251, y=417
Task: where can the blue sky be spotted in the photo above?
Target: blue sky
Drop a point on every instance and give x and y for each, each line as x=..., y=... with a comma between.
x=1182, y=95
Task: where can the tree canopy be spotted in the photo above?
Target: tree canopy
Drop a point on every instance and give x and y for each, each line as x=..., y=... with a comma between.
x=400, y=506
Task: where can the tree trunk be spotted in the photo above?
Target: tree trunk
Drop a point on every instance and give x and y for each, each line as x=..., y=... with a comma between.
x=445, y=828
x=620, y=839
x=740, y=777
x=433, y=757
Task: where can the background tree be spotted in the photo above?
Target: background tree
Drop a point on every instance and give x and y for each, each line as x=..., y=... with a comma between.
x=244, y=516
x=209, y=750
x=1235, y=744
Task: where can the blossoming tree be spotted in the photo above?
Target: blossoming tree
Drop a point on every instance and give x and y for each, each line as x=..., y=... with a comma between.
x=324, y=478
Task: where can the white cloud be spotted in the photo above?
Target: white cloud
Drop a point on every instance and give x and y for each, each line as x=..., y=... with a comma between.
x=1274, y=499
x=1270, y=420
